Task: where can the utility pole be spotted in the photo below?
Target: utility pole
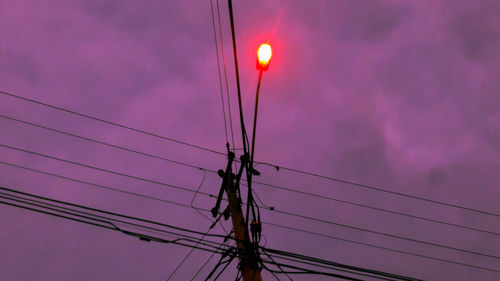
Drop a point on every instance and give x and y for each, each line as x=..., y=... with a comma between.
x=247, y=253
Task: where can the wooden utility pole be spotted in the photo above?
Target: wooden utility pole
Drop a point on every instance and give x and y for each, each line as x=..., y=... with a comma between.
x=246, y=255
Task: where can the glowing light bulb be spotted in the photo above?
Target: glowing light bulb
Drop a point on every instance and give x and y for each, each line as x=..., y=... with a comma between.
x=264, y=55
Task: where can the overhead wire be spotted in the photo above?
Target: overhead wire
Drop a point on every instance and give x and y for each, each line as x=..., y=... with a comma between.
x=386, y=234
x=274, y=210
x=477, y=267
x=218, y=71
x=257, y=182
x=112, y=123
x=105, y=170
x=353, y=270
x=328, y=236
x=90, y=209
x=209, y=258
x=115, y=228
x=221, y=35
x=106, y=143
x=380, y=189
x=351, y=183
x=308, y=271
x=335, y=265
x=278, y=167
x=106, y=187
x=187, y=255
x=371, y=207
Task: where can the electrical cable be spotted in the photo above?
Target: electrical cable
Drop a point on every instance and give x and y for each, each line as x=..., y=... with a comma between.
x=218, y=70
x=259, y=183
x=106, y=144
x=380, y=247
x=343, y=225
x=111, y=213
x=111, y=228
x=225, y=79
x=337, y=266
x=371, y=207
x=237, y=74
x=112, y=123
x=377, y=188
x=187, y=255
x=308, y=271
x=99, y=218
x=272, y=261
x=225, y=266
x=206, y=262
x=260, y=163
x=298, y=215
x=194, y=196
x=114, y=189
x=387, y=234
x=103, y=170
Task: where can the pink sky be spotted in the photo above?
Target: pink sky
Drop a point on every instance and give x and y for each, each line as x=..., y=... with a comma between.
x=402, y=95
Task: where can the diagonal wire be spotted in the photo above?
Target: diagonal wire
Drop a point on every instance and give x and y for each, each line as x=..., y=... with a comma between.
x=380, y=189
x=371, y=207
x=260, y=163
x=379, y=247
x=225, y=77
x=387, y=234
x=98, y=185
x=112, y=123
x=218, y=70
x=104, y=143
x=259, y=183
x=104, y=170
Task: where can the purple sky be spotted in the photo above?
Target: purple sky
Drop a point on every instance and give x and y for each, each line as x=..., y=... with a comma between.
x=398, y=94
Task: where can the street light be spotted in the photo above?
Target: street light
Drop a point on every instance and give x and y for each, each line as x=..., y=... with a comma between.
x=264, y=54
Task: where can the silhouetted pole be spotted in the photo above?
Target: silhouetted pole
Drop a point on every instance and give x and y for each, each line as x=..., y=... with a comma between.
x=246, y=255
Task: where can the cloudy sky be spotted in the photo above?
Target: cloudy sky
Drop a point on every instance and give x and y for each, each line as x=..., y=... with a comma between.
x=401, y=95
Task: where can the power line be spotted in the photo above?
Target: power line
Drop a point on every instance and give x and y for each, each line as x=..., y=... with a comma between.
x=260, y=163
x=113, y=123
x=278, y=211
x=420, y=198
x=379, y=247
x=105, y=143
x=72, y=213
x=99, y=185
x=114, y=227
x=218, y=70
x=68, y=211
x=273, y=262
x=111, y=213
x=187, y=256
x=105, y=170
x=214, y=235
x=237, y=74
x=225, y=76
x=386, y=234
x=331, y=265
x=373, y=208
x=376, y=188
x=260, y=183
x=257, y=182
